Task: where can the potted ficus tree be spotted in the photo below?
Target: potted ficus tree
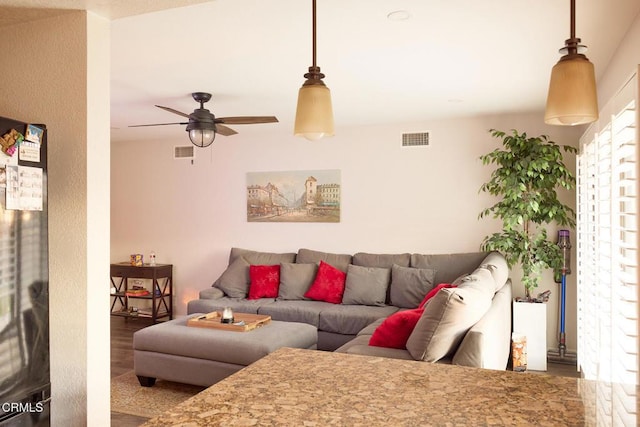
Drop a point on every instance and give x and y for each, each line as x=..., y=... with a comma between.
x=529, y=171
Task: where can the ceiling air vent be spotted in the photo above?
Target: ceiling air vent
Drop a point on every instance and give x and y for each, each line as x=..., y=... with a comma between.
x=184, y=152
x=415, y=139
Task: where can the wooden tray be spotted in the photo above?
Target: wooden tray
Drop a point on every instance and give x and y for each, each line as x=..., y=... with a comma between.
x=212, y=320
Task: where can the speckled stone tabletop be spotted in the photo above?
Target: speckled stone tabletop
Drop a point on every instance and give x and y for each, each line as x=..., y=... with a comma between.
x=294, y=387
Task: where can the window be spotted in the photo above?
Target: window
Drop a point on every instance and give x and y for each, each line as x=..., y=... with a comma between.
x=607, y=226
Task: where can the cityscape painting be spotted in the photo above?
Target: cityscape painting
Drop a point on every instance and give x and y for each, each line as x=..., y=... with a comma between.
x=293, y=196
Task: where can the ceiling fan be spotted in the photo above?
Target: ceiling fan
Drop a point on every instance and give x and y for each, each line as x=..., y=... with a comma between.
x=203, y=125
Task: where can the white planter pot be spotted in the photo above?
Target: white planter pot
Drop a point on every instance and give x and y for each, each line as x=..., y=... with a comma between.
x=530, y=319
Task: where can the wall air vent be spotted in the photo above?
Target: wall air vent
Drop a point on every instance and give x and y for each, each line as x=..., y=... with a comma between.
x=184, y=152
x=415, y=139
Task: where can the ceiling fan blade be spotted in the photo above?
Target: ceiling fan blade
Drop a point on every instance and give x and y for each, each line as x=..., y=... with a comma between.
x=159, y=124
x=171, y=110
x=246, y=120
x=223, y=130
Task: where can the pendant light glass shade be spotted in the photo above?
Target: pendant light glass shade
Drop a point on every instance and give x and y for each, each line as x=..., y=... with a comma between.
x=572, y=98
x=314, y=114
x=202, y=137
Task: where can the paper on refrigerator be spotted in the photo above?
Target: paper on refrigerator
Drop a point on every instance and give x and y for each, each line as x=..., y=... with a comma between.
x=24, y=188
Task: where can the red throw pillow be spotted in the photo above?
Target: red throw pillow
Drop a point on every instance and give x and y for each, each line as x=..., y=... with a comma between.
x=432, y=293
x=328, y=285
x=265, y=281
x=394, y=331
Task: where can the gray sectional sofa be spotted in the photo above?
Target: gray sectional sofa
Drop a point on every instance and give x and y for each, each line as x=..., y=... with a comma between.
x=468, y=325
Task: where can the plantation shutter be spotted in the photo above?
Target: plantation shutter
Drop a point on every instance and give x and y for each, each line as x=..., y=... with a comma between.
x=607, y=246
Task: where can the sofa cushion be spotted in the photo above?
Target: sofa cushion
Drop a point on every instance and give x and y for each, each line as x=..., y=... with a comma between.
x=410, y=285
x=496, y=263
x=239, y=305
x=482, y=280
x=261, y=258
x=370, y=329
x=295, y=311
x=432, y=293
x=360, y=345
x=448, y=266
x=381, y=260
x=339, y=261
x=487, y=343
x=295, y=280
x=234, y=282
x=265, y=280
x=366, y=285
x=394, y=331
x=351, y=319
x=328, y=285
x=211, y=293
x=445, y=320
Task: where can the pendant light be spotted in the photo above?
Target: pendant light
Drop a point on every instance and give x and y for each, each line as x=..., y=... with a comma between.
x=314, y=115
x=572, y=98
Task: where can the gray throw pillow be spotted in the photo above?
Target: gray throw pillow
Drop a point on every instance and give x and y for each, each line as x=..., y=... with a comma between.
x=235, y=280
x=410, y=285
x=445, y=321
x=366, y=285
x=295, y=280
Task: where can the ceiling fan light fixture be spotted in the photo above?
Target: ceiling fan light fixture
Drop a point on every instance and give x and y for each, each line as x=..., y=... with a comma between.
x=202, y=137
x=201, y=126
x=572, y=98
x=314, y=112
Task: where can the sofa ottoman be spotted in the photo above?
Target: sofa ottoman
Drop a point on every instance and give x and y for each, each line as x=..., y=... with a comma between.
x=202, y=356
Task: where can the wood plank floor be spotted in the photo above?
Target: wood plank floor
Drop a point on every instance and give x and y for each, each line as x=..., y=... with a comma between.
x=122, y=360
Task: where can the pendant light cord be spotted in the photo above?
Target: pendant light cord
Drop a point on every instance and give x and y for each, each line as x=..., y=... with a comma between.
x=314, y=76
x=573, y=19
x=572, y=44
x=313, y=26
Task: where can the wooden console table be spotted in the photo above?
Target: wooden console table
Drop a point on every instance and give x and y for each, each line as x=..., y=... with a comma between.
x=160, y=294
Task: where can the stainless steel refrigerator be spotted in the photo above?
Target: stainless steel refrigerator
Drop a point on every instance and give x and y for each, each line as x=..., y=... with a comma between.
x=25, y=387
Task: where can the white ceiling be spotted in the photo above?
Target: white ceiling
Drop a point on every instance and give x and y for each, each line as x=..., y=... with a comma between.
x=450, y=58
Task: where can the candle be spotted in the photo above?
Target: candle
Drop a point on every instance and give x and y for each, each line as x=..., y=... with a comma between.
x=227, y=315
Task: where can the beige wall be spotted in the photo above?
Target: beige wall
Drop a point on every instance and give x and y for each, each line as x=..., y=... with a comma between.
x=394, y=199
x=622, y=65
x=98, y=220
x=47, y=77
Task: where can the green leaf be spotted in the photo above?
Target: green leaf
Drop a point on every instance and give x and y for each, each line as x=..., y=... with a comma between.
x=528, y=172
